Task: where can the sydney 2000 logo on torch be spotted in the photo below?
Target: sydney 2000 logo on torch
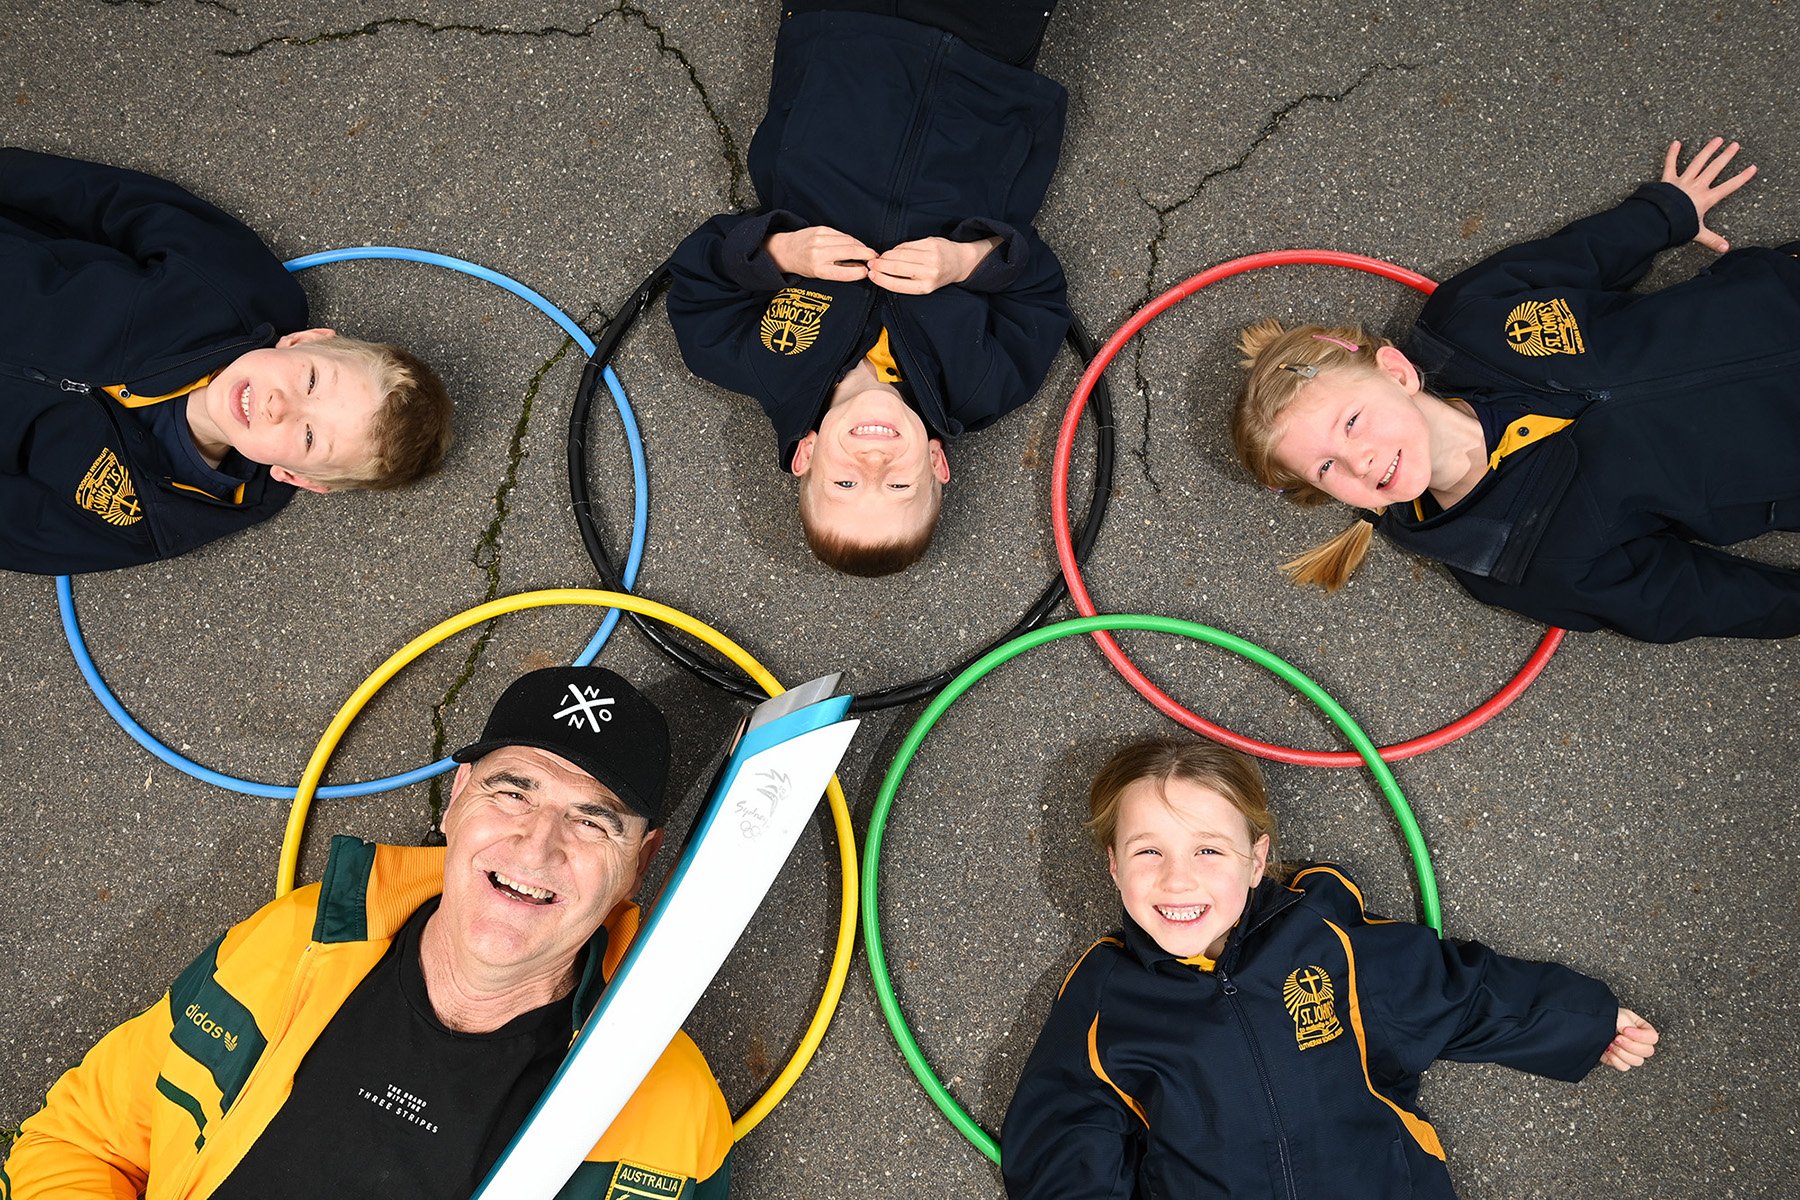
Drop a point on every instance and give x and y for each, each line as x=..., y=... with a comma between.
x=756, y=807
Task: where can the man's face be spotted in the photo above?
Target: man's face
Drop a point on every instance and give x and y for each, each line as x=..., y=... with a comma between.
x=871, y=469
x=302, y=411
x=539, y=852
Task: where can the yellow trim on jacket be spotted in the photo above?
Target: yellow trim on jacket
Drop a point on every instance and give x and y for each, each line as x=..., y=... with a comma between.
x=1093, y=1049
x=1522, y=432
x=881, y=359
x=1422, y=1131
x=1105, y=941
x=127, y=399
x=1333, y=872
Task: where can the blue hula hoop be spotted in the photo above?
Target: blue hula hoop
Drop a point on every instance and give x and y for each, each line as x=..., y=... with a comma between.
x=640, y=521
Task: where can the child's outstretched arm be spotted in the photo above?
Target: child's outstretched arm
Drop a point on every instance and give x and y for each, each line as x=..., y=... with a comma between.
x=1608, y=251
x=141, y=216
x=1663, y=588
x=1698, y=182
x=1430, y=998
x=1636, y=1042
x=81, y=235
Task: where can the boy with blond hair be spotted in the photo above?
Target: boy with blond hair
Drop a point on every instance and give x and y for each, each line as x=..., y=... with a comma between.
x=891, y=294
x=159, y=384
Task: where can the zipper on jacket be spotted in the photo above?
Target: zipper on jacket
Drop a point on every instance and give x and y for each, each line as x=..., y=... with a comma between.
x=1588, y=395
x=67, y=385
x=919, y=380
x=1229, y=989
x=903, y=177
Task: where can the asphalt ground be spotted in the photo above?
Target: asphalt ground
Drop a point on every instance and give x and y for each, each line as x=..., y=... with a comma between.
x=1632, y=815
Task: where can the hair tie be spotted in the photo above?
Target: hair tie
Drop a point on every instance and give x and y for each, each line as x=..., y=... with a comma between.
x=1352, y=347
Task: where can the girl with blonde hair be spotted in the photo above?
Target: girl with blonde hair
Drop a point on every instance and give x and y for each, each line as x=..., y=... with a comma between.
x=1237, y=991
x=1570, y=449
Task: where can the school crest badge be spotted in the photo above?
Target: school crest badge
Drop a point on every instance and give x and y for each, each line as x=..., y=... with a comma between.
x=632, y=1182
x=1538, y=328
x=106, y=491
x=1312, y=1002
x=790, y=324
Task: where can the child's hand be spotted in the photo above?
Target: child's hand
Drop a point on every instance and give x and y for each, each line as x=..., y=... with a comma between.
x=819, y=252
x=928, y=264
x=1635, y=1042
x=1697, y=183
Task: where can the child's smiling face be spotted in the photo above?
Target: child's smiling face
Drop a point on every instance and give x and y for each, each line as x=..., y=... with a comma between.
x=301, y=410
x=1360, y=435
x=1184, y=864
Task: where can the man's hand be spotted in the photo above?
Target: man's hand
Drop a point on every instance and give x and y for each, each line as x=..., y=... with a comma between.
x=928, y=264
x=1696, y=182
x=819, y=252
x=1635, y=1042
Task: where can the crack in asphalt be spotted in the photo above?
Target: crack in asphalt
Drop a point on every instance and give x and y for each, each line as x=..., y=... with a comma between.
x=218, y=4
x=736, y=171
x=734, y=158
x=1270, y=127
x=371, y=28
x=486, y=557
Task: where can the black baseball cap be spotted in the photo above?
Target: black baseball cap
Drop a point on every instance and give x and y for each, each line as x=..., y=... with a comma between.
x=593, y=718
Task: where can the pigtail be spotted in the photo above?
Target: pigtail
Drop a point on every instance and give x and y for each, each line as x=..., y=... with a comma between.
x=1329, y=565
x=1254, y=339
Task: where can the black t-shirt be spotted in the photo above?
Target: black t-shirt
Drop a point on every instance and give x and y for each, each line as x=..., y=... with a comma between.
x=389, y=1102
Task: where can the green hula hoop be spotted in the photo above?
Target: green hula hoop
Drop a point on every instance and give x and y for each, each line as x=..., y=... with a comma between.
x=934, y=1087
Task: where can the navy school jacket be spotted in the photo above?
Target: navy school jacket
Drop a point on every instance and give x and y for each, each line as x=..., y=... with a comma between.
x=889, y=131
x=1287, y=1069
x=116, y=277
x=1686, y=433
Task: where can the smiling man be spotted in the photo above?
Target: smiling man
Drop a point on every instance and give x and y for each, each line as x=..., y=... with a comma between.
x=891, y=294
x=387, y=1031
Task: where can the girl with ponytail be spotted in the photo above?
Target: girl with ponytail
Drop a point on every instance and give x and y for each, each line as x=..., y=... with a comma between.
x=1568, y=448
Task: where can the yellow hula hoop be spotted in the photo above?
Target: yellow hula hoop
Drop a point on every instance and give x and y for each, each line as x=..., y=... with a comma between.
x=834, y=793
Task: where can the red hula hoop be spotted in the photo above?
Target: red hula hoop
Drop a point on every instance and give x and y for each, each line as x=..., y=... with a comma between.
x=1084, y=604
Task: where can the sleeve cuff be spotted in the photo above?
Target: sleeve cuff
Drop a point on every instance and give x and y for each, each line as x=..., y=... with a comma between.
x=1004, y=264
x=1673, y=203
x=744, y=260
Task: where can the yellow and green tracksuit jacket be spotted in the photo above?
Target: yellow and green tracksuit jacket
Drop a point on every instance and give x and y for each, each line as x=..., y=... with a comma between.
x=167, y=1104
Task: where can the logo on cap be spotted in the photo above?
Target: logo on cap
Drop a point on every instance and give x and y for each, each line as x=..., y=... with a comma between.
x=586, y=707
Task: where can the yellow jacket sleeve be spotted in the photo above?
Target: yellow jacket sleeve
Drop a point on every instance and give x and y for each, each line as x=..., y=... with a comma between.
x=92, y=1137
